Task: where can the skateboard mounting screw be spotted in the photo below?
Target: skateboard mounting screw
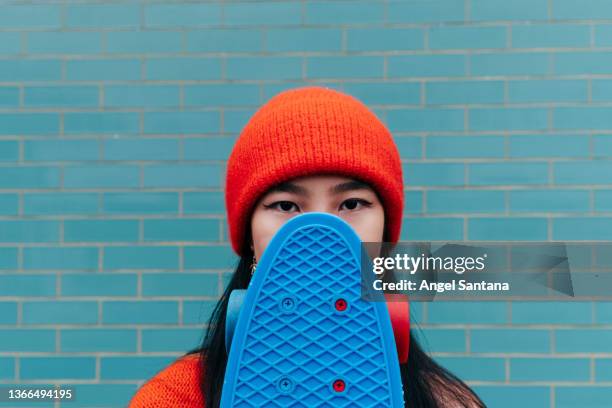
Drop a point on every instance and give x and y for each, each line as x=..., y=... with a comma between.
x=341, y=305
x=285, y=384
x=288, y=303
x=339, y=385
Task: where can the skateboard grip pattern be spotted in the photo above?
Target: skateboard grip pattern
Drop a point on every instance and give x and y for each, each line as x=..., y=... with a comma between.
x=300, y=348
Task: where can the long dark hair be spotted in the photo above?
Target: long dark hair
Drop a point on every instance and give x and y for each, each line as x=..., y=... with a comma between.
x=426, y=384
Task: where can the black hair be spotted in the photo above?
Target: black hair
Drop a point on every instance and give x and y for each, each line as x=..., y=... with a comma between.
x=426, y=384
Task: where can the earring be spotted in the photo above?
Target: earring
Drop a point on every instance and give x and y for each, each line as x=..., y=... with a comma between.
x=253, y=265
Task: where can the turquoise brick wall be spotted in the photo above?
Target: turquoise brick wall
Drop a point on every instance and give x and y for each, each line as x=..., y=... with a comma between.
x=116, y=120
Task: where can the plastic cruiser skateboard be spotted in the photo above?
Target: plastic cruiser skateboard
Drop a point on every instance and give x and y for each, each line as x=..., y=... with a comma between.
x=302, y=335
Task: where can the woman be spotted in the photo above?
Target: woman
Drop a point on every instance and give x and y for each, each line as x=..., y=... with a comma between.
x=307, y=149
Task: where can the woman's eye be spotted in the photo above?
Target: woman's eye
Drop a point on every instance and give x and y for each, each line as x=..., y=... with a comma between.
x=352, y=203
x=284, y=206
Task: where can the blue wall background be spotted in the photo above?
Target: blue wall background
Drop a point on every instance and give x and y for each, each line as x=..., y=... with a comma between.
x=116, y=119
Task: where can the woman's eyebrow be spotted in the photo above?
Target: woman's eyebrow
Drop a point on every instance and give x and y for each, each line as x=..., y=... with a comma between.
x=288, y=187
x=350, y=186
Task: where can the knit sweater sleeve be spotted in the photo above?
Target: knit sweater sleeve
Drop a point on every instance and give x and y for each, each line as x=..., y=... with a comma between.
x=177, y=385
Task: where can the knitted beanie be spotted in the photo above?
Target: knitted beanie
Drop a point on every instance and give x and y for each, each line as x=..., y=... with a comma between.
x=307, y=131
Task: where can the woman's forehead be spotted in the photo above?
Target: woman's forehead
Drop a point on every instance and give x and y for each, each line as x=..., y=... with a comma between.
x=332, y=183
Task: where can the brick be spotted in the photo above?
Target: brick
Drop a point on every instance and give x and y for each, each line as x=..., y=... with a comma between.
x=194, y=312
x=96, y=176
x=603, y=35
x=504, y=396
x=209, y=148
x=9, y=96
x=183, y=68
x=443, y=147
x=181, y=230
x=31, y=16
x=61, y=150
x=182, y=176
x=22, y=231
x=441, y=340
x=252, y=68
x=214, y=95
x=498, y=64
x=38, y=368
x=594, y=340
x=547, y=91
x=409, y=147
x=7, y=368
x=429, y=119
x=64, y=258
x=551, y=312
x=98, y=340
x=583, y=172
x=603, y=369
x=9, y=151
x=549, y=200
x=465, y=201
x=140, y=312
x=103, y=70
x=475, y=368
x=582, y=228
x=430, y=229
x=100, y=230
x=9, y=204
x=340, y=12
x=103, y=16
x=386, y=93
x=204, y=203
x=99, y=284
x=434, y=174
x=502, y=10
x=60, y=312
x=170, y=340
x=262, y=13
x=218, y=257
x=548, y=146
x=467, y=37
x=303, y=39
x=589, y=63
x=141, y=149
x=464, y=92
x=29, y=123
x=589, y=396
x=101, y=122
x=180, y=284
x=140, y=257
x=8, y=315
x=510, y=341
x=508, y=119
x=60, y=203
x=30, y=340
x=416, y=11
x=181, y=15
x=450, y=312
x=508, y=173
x=550, y=35
x=587, y=9
x=141, y=203
x=225, y=40
x=507, y=229
x=64, y=43
x=603, y=200
x=385, y=39
x=77, y=96
x=122, y=96
x=181, y=122
x=344, y=67
x=29, y=177
x=413, y=66
x=141, y=42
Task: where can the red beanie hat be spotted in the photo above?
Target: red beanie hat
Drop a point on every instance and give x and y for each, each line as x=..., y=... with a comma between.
x=308, y=131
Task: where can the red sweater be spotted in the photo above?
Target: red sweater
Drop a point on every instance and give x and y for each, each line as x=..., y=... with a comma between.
x=177, y=385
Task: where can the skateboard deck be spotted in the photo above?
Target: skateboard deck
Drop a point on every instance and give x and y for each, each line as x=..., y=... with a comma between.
x=301, y=335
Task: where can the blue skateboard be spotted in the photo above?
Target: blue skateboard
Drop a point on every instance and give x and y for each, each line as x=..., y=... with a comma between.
x=302, y=335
